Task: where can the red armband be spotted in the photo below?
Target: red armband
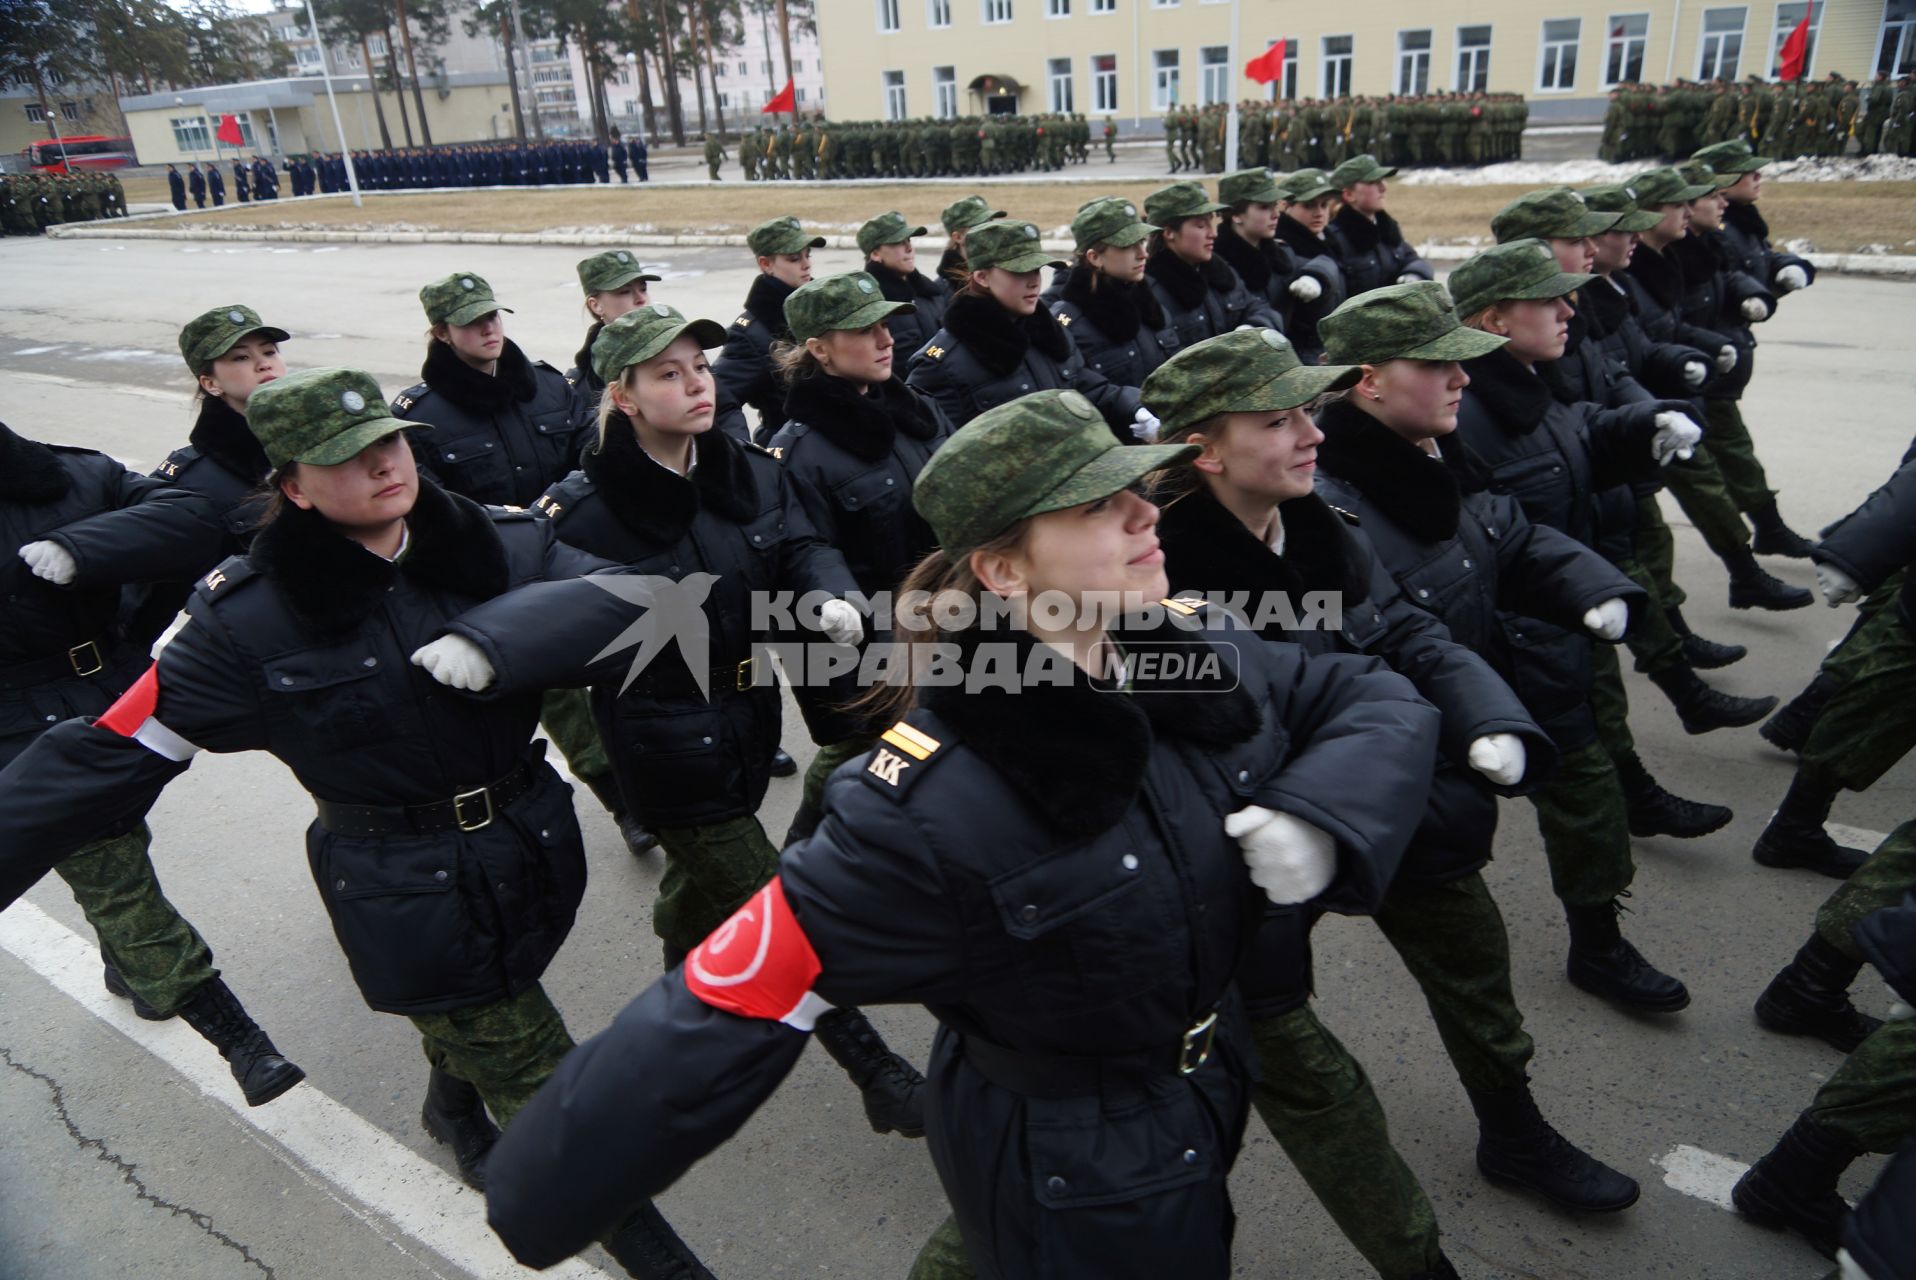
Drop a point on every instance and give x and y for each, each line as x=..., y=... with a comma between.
x=133, y=717
x=759, y=963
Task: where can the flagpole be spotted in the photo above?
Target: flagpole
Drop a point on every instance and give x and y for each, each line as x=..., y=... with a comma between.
x=339, y=127
x=1230, y=130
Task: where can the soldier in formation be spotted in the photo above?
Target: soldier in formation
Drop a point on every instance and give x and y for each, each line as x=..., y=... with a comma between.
x=1451, y=129
x=923, y=148
x=32, y=202
x=1790, y=120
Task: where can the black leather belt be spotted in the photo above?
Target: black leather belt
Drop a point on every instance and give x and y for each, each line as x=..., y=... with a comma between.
x=732, y=677
x=84, y=659
x=1057, y=1075
x=467, y=811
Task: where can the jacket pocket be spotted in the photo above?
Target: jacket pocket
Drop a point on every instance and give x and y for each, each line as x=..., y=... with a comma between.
x=1093, y=934
x=473, y=465
x=1091, y=1151
x=401, y=918
x=331, y=693
x=672, y=759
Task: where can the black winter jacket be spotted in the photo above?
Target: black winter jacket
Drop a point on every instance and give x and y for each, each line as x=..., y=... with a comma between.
x=1372, y=254
x=588, y=388
x=1714, y=290
x=496, y=438
x=1205, y=299
x=928, y=298
x=744, y=366
x=1648, y=367
x=1119, y=328
x=1878, y=538
x=1746, y=238
x=1268, y=269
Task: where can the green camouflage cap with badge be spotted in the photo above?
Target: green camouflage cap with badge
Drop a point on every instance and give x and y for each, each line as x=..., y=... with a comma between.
x=849, y=301
x=1248, y=186
x=459, y=298
x=1523, y=270
x=1556, y=214
x=1244, y=371
x=212, y=334
x=642, y=333
x=1702, y=175
x=1364, y=168
x=1618, y=198
x=1179, y=200
x=1659, y=187
x=1109, y=220
x=321, y=416
x=1013, y=246
x=1730, y=157
x=781, y=235
x=972, y=211
x=1306, y=185
x=1042, y=452
x=611, y=270
x=1415, y=321
x=886, y=228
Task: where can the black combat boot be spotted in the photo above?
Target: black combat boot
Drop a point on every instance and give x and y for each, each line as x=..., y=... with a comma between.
x=1702, y=708
x=647, y=1247
x=1655, y=812
x=783, y=766
x=1516, y=1146
x=1789, y=728
x=804, y=822
x=1752, y=588
x=455, y=1114
x=1794, y=1186
x=1795, y=836
x=1603, y=963
x=215, y=1012
x=116, y=985
x=1442, y=1271
x=1774, y=538
x=631, y=830
x=1704, y=655
x=894, y=1091
x=1810, y=997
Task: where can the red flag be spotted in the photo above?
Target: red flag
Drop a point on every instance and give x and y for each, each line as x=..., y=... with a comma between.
x=787, y=100
x=229, y=131
x=1795, y=49
x=1269, y=65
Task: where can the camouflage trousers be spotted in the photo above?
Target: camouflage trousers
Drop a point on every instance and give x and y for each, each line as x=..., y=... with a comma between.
x=1610, y=702
x=1735, y=454
x=943, y=1256
x=1870, y=723
x=1698, y=485
x=826, y=762
x=1870, y=1101
x=505, y=1049
x=162, y=957
x=567, y=717
x=1652, y=641
x=1889, y=873
x=1586, y=833
x=709, y=873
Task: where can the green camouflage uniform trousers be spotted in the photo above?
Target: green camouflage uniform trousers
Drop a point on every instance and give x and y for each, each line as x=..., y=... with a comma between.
x=1882, y=880
x=567, y=717
x=1698, y=485
x=1586, y=834
x=1869, y=724
x=505, y=1048
x=162, y=957
x=709, y=873
x=1735, y=454
x=826, y=762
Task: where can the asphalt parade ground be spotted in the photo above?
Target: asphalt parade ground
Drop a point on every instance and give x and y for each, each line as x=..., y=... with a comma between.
x=129, y=1152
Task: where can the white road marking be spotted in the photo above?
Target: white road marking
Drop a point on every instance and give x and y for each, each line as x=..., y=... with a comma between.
x=1699, y=1173
x=1855, y=837
x=309, y=1130
x=174, y=397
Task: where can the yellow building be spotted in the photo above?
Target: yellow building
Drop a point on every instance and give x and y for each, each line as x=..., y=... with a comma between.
x=1134, y=59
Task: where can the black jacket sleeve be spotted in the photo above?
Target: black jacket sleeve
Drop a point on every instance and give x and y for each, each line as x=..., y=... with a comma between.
x=1619, y=439
x=1877, y=538
x=153, y=534
x=1547, y=574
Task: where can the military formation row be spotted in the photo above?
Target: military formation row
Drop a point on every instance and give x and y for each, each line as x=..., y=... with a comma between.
x=926, y=148
x=1420, y=129
x=32, y=202
x=1789, y=120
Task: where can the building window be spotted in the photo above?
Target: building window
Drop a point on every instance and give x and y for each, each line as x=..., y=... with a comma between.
x=887, y=15
x=1558, y=69
x=1413, y=61
x=997, y=11
x=37, y=114
x=800, y=95
x=376, y=45
x=191, y=134
x=1164, y=78
x=1214, y=70
x=1623, y=58
x=1164, y=4
x=1104, y=6
x=1787, y=16
x=937, y=13
x=1057, y=8
x=1473, y=59
x=1058, y=82
x=1896, y=48
x=70, y=111
x=894, y=95
x=308, y=57
x=741, y=68
x=1104, y=82
x=765, y=66
x=944, y=92
x=349, y=59
x=1720, y=47
x=1337, y=66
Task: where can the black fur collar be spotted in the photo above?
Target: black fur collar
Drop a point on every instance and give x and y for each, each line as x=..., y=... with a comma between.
x=1187, y=283
x=863, y=425
x=1206, y=549
x=1255, y=264
x=1660, y=275
x=583, y=361
x=1515, y=396
x=1742, y=215
x=657, y=503
x=1302, y=242
x=223, y=436
x=999, y=339
x=1115, y=308
x=332, y=584
x=1077, y=753
x=951, y=266
x=479, y=392
x=1409, y=486
x=906, y=286
x=766, y=301
x=29, y=470
x=1364, y=234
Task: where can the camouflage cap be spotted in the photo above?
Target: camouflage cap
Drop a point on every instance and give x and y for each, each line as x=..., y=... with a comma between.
x=321, y=416
x=610, y=270
x=1730, y=157
x=212, y=334
x=972, y=211
x=1402, y=322
x=781, y=235
x=459, y=298
x=642, y=333
x=1364, y=168
x=886, y=228
x=849, y=301
x=1702, y=175
x=1244, y=371
x=1556, y=214
x=1012, y=245
x=1620, y=199
x=1042, y=452
x=1111, y=220
x=1659, y=187
x=1306, y=185
x=1178, y=200
x=1523, y=270
x=1248, y=186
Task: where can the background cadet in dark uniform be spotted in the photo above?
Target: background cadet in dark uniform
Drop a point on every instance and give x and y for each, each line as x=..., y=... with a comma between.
x=1299, y=291
x=618, y=155
x=891, y=261
x=196, y=185
x=1001, y=859
x=1201, y=296
x=744, y=369
x=1113, y=317
x=635, y=148
x=1369, y=244
x=265, y=181
x=176, y=188
x=242, y=181
x=215, y=185
x=959, y=217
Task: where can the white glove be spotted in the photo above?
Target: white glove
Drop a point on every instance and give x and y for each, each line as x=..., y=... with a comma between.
x=1146, y=426
x=1499, y=757
x=1837, y=587
x=1725, y=358
x=1676, y=437
x=1694, y=372
x=1290, y=860
x=1305, y=289
x=1755, y=310
x=841, y=622
x=1792, y=278
x=455, y=662
x=51, y=561
x=1607, y=620
x=1409, y=278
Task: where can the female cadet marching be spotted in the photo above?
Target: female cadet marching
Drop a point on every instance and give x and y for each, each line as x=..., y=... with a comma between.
x=1300, y=291
x=445, y=848
x=1111, y=314
x=668, y=496
x=1005, y=858
x=959, y=219
x=1241, y=520
x=1201, y=296
x=892, y=264
x=744, y=369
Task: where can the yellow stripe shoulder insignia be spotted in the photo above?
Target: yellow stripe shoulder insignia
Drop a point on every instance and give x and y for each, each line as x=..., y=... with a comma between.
x=1184, y=606
x=1350, y=517
x=895, y=760
x=914, y=742
x=744, y=320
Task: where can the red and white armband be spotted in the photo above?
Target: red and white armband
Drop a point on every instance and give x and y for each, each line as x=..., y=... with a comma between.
x=759, y=964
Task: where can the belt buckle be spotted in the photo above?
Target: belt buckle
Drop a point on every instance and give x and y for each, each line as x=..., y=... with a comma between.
x=81, y=654
x=742, y=676
x=1198, y=1038
x=459, y=808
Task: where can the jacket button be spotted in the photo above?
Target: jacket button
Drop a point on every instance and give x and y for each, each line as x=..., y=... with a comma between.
x=1024, y=386
x=1029, y=913
x=1555, y=470
x=1243, y=775
x=1423, y=593
x=544, y=834
x=1190, y=1156
x=286, y=680
x=370, y=662
x=1129, y=861
x=676, y=569
x=339, y=884
x=1517, y=636
x=706, y=741
x=1491, y=530
x=1055, y=1185
x=1466, y=562
x=439, y=876
x=51, y=719
x=757, y=538
x=890, y=481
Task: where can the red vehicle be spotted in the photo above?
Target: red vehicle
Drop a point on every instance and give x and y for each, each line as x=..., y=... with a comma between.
x=80, y=152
